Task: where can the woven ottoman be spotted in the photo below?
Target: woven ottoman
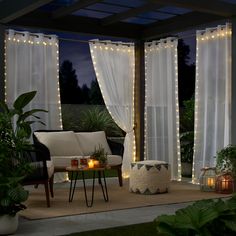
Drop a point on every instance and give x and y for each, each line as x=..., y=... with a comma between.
x=149, y=177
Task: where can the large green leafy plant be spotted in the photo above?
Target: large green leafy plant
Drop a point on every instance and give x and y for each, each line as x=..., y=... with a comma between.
x=96, y=120
x=15, y=131
x=203, y=218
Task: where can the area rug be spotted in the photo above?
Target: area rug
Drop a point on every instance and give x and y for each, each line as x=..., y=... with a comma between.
x=119, y=198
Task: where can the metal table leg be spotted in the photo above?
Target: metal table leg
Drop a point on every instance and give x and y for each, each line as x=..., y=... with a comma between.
x=104, y=188
x=72, y=191
x=88, y=203
x=105, y=193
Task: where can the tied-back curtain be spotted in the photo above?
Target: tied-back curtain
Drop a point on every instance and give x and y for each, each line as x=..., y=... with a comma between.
x=161, y=105
x=212, y=96
x=31, y=63
x=114, y=67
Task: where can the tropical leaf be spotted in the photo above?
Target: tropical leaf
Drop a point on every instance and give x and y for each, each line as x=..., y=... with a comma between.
x=18, y=194
x=30, y=113
x=23, y=100
x=4, y=107
x=5, y=202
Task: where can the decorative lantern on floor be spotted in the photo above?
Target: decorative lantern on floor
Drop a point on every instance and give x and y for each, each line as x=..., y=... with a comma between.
x=207, y=179
x=225, y=183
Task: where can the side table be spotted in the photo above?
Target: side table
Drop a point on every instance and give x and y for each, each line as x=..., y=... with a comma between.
x=102, y=178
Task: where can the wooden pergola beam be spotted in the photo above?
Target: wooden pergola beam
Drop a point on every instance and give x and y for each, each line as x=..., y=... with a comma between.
x=77, y=24
x=11, y=9
x=177, y=24
x=63, y=11
x=215, y=7
x=130, y=13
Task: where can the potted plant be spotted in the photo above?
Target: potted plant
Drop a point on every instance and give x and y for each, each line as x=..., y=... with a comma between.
x=15, y=131
x=100, y=155
x=226, y=160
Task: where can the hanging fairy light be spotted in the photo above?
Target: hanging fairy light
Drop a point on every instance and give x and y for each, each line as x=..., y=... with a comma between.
x=203, y=37
x=151, y=48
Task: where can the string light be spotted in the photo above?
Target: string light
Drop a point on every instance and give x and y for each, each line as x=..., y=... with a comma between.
x=177, y=114
x=150, y=48
x=146, y=54
x=206, y=35
x=5, y=70
x=58, y=88
x=31, y=41
x=124, y=49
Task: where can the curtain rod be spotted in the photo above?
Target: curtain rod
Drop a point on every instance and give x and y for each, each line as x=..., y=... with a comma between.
x=102, y=41
x=70, y=39
x=94, y=41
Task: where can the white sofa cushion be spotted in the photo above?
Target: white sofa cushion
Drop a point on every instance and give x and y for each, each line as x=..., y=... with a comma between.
x=50, y=168
x=88, y=141
x=63, y=143
x=114, y=160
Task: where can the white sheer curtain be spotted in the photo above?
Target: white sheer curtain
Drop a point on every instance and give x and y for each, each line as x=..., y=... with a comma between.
x=212, y=96
x=114, y=67
x=32, y=64
x=161, y=105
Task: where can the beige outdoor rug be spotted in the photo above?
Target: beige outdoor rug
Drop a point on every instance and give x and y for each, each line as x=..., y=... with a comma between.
x=119, y=198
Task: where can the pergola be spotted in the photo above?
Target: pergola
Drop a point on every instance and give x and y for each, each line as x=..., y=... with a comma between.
x=137, y=20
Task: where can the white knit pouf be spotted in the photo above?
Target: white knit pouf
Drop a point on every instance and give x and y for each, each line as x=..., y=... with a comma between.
x=149, y=177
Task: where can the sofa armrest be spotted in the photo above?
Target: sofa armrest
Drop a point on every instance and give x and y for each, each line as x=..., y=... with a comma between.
x=42, y=152
x=116, y=148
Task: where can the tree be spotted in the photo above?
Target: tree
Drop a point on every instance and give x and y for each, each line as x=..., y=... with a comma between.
x=85, y=94
x=186, y=73
x=95, y=94
x=69, y=89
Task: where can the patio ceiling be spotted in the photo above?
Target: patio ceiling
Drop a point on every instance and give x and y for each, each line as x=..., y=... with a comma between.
x=135, y=19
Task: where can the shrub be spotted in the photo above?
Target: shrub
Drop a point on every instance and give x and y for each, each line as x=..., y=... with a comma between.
x=226, y=160
x=96, y=120
x=203, y=218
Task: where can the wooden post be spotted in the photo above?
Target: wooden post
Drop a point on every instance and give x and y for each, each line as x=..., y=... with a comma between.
x=139, y=95
x=2, y=64
x=233, y=85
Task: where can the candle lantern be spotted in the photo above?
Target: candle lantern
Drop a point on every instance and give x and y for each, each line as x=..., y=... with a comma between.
x=225, y=183
x=207, y=179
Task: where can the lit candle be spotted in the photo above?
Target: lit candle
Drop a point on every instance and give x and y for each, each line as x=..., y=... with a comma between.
x=90, y=163
x=96, y=163
x=225, y=184
x=210, y=182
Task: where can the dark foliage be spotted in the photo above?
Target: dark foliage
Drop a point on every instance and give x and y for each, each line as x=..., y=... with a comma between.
x=186, y=73
x=69, y=89
x=95, y=94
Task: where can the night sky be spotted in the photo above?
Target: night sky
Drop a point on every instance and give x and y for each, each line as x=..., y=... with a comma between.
x=79, y=54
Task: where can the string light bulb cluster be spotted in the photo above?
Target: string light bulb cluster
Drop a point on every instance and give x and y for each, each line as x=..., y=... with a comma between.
x=119, y=48
x=156, y=47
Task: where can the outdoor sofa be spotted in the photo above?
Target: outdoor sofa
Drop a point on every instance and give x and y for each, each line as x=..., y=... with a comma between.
x=63, y=146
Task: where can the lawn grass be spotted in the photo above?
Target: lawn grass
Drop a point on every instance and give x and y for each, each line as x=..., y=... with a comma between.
x=144, y=229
